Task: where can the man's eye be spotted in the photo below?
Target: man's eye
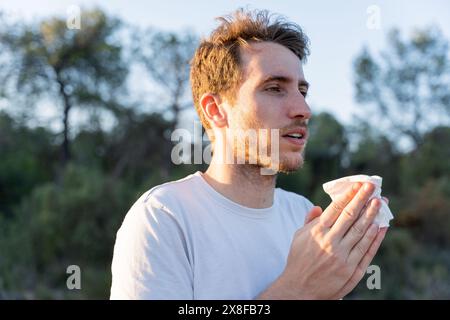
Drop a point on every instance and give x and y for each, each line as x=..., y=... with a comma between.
x=274, y=89
x=303, y=91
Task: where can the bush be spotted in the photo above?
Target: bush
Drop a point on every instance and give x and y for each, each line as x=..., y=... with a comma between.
x=60, y=224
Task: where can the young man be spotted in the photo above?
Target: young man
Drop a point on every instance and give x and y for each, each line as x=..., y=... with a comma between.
x=229, y=233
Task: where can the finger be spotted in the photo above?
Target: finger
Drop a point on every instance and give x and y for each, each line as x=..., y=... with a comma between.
x=351, y=212
x=359, y=228
x=360, y=271
x=315, y=212
x=333, y=211
x=368, y=247
x=360, y=249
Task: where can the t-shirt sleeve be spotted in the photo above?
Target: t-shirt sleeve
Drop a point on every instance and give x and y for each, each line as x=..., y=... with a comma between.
x=151, y=259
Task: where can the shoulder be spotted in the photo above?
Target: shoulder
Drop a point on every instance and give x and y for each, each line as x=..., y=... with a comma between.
x=164, y=202
x=170, y=195
x=152, y=237
x=155, y=216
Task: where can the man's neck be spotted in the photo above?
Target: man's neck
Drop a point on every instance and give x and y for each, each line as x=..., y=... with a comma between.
x=242, y=183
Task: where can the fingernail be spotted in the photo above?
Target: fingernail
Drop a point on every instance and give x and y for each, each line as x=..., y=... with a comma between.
x=356, y=186
x=367, y=186
x=376, y=204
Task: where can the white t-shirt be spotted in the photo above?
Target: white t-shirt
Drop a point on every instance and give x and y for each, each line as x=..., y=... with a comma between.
x=184, y=240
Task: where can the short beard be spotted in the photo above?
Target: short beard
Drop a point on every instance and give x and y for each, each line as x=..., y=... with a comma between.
x=285, y=165
x=290, y=166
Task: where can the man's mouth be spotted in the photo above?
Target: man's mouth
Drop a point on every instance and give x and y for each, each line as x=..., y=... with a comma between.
x=296, y=136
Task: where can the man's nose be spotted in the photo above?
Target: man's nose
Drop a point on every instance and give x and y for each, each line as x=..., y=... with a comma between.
x=298, y=108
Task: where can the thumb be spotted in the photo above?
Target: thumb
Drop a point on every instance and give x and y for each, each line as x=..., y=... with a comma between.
x=314, y=213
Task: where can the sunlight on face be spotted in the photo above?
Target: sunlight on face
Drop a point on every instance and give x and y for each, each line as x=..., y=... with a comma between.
x=271, y=97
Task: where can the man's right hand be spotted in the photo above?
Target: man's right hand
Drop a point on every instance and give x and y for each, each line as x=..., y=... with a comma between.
x=330, y=254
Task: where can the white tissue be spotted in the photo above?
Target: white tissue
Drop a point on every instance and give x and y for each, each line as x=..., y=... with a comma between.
x=337, y=187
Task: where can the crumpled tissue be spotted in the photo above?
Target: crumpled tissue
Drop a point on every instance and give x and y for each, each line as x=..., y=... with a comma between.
x=337, y=187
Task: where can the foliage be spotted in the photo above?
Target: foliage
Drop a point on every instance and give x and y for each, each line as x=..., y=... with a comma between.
x=53, y=215
x=408, y=85
x=75, y=68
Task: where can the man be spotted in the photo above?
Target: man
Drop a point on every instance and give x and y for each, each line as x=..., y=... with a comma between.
x=229, y=233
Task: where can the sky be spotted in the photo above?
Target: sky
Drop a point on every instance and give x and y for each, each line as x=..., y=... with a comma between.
x=338, y=30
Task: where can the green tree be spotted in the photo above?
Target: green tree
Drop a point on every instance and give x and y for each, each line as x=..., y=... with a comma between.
x=429, y=161
x=136, y=149
x=24, y=167
x=408, y=85
x=80, y=68
x=59, y=224
x=166, y=56
x=326, y=151
x=374, y=154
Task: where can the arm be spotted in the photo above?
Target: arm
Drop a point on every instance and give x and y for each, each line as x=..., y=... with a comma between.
x=151, y=259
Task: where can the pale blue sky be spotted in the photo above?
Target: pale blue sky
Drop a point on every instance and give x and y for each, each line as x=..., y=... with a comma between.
x=337, y=30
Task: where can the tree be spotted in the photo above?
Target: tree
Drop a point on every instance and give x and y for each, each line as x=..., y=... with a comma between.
x=428, y=162
x=22, y=168
x=166, y=57
x=78, y=67
x=374, y=154
x=326, y=148
x=408, y=85
x=136, y=148
x=56, y=225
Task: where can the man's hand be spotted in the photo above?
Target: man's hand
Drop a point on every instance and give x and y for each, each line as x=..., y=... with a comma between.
x=330, y=254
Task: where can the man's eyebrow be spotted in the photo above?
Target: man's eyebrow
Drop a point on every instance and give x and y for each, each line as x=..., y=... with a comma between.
x=284, y=80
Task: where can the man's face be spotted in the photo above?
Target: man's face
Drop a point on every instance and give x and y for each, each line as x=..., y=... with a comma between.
x=272, y=96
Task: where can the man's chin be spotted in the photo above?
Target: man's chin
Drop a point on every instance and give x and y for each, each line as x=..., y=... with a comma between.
x=284, y=166
x=291, y=164
x=287, y=163
x=289, y=168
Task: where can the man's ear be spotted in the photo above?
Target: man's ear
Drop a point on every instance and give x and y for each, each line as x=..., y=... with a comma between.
x=213, y=111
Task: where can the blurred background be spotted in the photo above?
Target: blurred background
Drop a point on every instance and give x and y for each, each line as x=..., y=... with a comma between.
x=91, y=91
